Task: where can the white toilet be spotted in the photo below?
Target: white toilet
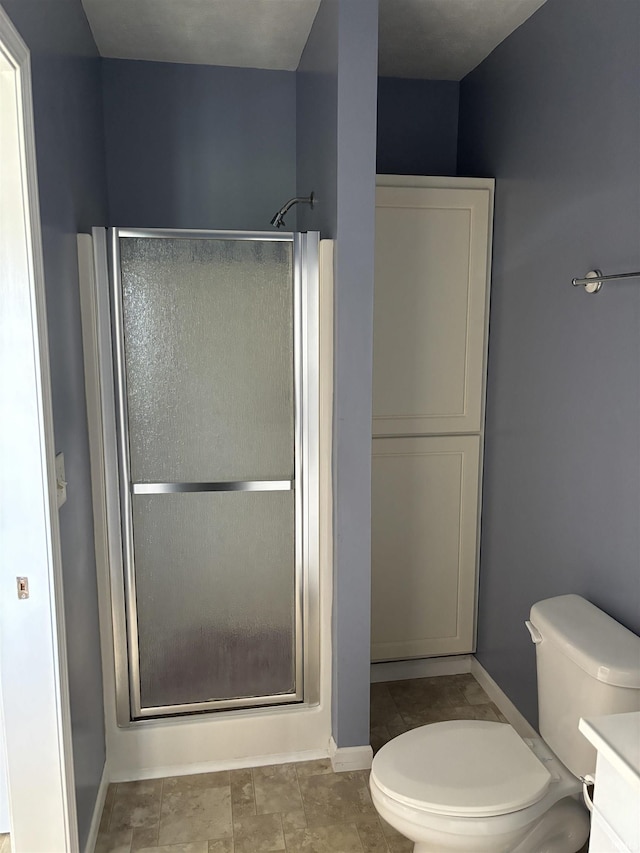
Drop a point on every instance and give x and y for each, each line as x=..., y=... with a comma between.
x=470, y=785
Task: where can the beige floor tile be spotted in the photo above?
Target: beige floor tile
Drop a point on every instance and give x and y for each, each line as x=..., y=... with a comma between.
x=294, y=820
x=195, y=815
x=460, y=679
x=383, y=708
x=110, y=795
x=274, y=773
x=243, y=800
x=140, y=788
x=397, y=727
x=418, y=694
x=193, y=847
x=338, y=798
x=502, y=719
x=5, y=843
x=474, y=694
x=393, y=722
x=221, y=845
x=313, y=768
x=136, y=804
x=103, y=826
x=486, y=711
x=461, y=712
x=144, y=837
x=400, y=844
x=175, y=784
x=117, y=841
x=258, y=833
x=396, y=842
x=371, y=836
x=379, y=735
x=106, y=810
x=276, y=788
x=425, y=716
x=341, y=838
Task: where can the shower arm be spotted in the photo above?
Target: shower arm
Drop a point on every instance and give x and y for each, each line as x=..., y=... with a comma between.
x=278, y=219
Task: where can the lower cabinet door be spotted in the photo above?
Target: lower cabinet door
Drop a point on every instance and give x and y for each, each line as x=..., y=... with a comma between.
x=424, y=545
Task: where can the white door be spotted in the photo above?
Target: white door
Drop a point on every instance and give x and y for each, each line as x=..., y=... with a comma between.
x=429, y=365
x=429, y=310
x=424, y=537
x=35, y=717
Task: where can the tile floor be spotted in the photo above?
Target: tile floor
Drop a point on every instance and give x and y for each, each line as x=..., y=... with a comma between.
x=397, y=706
x=5, y=843
x=297, y=808
x=289, y=807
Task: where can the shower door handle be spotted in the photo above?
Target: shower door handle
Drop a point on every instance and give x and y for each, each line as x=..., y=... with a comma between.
x=225, y=486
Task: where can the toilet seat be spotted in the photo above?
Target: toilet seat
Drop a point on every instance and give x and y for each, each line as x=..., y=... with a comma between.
x=461, y=768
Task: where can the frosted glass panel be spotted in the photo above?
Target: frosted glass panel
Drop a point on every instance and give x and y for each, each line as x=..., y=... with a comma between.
x=209, y=358
x=215, y=595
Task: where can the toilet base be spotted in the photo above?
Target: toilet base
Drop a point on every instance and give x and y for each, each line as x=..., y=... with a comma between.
x=563, y=829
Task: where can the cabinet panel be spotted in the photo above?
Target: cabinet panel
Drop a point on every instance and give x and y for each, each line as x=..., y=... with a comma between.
x=616, y=815
x=424, y=545
x=430, y=310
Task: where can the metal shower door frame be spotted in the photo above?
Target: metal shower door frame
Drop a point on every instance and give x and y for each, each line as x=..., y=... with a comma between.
x=304, y=484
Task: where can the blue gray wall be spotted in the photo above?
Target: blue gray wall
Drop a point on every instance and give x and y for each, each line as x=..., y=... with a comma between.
x=336, y=158
x=353, y=353
x=194, y=146
x=417, y=127
x=70, y=155
x=560, y=131
x=317, y=122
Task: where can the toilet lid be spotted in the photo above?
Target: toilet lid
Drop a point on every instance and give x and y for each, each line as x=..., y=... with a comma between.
x=463, y=768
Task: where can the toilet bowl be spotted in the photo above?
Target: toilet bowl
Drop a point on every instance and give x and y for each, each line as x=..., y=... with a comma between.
x=473, y=786
x=476, y=787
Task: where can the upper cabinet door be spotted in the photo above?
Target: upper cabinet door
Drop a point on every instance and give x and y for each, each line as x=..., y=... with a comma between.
x=432, y=249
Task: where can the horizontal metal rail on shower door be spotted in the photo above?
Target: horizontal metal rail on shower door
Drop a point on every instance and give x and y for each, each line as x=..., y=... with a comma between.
x=305, y=294
x=234, y=486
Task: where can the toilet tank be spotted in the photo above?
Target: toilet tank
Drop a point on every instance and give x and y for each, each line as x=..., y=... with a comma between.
x=588, y=665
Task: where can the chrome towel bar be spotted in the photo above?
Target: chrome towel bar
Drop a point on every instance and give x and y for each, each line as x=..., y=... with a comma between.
x=592, y=282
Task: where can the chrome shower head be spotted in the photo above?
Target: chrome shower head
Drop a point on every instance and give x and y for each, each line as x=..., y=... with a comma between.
x=278, y=219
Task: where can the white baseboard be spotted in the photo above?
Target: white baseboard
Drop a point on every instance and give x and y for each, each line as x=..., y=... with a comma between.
x=349, y=757
x=216, y=766
x=399, y=670
x=97, y=810
x=500, y=698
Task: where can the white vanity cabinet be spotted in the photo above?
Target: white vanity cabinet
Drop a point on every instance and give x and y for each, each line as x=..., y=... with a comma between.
x=615, y=819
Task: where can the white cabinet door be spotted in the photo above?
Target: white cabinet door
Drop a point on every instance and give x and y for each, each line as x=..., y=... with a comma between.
x=424, y=545
x=430, y=310
x=616, y=814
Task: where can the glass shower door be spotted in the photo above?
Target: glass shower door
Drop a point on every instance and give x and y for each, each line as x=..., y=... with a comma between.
x=207, y=373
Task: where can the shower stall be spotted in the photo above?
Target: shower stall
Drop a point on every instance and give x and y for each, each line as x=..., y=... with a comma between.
x=209, y=367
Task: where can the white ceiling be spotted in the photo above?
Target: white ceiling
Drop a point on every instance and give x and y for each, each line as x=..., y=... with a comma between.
x=244, y=33
x=430, y=39
x=444, y=39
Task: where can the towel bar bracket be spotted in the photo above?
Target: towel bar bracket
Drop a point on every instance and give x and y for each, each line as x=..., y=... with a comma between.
x=593, y=280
